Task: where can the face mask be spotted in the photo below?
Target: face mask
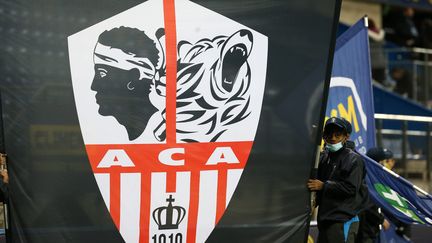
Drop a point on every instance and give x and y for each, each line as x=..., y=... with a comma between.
x=334, y=147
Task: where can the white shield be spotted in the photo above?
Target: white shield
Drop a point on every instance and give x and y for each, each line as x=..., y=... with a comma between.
x=168, y=96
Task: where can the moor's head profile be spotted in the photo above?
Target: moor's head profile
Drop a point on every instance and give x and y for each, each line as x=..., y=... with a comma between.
x=125, y=61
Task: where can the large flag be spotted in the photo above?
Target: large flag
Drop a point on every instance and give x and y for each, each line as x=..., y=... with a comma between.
x=162, y=120
x=350, y=96
x=397, y=196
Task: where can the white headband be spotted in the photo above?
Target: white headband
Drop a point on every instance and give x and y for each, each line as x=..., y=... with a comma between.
x=117, y=58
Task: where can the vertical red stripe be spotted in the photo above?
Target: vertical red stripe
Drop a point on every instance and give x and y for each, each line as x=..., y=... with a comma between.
x=193, y=207
x=145, y=207
x=171, y=69
x=115, y=198
x=171, y=182
x=221, y=194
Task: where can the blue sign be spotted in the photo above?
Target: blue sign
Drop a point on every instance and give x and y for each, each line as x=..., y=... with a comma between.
x=350, y=94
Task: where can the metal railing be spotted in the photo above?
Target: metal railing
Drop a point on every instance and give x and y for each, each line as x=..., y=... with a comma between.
x=410, y=159
x=417, y=62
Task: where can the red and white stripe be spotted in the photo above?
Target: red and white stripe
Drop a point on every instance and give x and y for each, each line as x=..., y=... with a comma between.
x=129, y=194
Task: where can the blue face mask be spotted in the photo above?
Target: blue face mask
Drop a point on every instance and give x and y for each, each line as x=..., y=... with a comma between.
x=334, y=147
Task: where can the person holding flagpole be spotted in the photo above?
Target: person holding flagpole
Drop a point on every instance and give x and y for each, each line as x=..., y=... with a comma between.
x=372, y=219
x=371, y=224
x=339, y=185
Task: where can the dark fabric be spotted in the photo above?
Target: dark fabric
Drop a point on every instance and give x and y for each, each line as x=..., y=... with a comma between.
x=400, y=29
x=367, y=240
x=344, y=191
x=4, y=191
x=401, y=228
x=334, y=232
x=370, y=220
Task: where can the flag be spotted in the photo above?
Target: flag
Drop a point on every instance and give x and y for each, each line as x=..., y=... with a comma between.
x=162, y=121
x=350, y=94
x=397, y=196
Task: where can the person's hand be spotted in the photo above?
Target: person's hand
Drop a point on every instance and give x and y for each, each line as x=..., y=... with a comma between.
x=5, y=176
x=386, y=224
x=315, y=185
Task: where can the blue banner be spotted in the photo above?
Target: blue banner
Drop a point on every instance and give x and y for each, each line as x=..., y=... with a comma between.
x=396, y=196
x=350, y=94
x=390, y=236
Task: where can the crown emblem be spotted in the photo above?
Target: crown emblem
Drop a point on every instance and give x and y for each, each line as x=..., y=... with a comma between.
x=169, y=217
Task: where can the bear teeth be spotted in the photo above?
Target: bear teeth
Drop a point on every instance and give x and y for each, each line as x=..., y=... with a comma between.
x=226, y=81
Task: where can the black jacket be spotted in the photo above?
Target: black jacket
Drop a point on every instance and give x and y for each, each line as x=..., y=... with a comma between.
x=344, y=192
x=370, y=220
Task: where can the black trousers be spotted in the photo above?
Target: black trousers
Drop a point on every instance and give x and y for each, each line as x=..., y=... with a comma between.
x=333, y=232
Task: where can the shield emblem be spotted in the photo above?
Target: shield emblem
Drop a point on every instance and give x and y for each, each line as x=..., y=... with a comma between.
x=168, y=96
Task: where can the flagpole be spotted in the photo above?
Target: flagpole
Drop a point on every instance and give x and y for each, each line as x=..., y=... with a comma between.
x=314, y=175
x=319, y=127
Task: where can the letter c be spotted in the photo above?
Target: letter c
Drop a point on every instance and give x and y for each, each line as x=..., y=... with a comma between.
x=165, y=157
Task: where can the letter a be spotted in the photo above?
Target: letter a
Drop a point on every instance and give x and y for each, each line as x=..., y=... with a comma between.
x=115, y=157
x=222, y=155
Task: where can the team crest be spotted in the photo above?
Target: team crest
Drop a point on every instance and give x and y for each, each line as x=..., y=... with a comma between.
x=168, y=96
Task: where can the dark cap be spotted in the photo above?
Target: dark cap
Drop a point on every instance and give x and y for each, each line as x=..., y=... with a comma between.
x=348, y=125
x=340, y=122
x=379, y=154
